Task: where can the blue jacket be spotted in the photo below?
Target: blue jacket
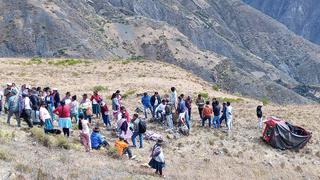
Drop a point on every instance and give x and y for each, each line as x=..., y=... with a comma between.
x=182, y=106
x=145, y=100
x=96, y=139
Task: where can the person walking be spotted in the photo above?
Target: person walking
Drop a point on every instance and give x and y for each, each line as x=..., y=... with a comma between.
x=157, y=161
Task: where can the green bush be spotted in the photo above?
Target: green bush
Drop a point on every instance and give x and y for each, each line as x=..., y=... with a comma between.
x=265, y=101
x=67, y=62
x=112, y=152
x=62, y=142
x=5, y=155
x=215, y=87
x=128, y=93
x=41, y=137
x=23, y=168
x=99, y=88
x=205, y=95
x=225, y=99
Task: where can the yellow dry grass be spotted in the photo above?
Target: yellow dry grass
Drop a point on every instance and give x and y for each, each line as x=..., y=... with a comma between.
x=205, y=154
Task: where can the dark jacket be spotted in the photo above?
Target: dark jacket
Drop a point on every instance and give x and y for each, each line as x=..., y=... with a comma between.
x=259, y=112
x=153, y=100
x=216, y=110
x=56, y=99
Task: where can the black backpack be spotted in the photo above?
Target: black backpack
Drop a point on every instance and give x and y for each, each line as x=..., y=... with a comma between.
x=142, y=126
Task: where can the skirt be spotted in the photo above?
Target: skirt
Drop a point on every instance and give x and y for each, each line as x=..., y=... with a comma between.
x=95, y=108
x=156, y=165
x=48, y=124
x=65, y=122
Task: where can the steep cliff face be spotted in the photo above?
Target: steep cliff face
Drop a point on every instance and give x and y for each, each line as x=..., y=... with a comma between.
x=300, y=16
x=222, y=41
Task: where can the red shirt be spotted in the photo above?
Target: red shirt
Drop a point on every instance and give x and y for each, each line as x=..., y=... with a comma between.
x=63, y=112
x=104, y=108
x=96, y=97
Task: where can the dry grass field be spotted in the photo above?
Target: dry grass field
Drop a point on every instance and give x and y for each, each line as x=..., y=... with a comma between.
x=205, y=154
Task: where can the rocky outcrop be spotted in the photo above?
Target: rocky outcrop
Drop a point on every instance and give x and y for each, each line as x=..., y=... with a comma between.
x=300, y=16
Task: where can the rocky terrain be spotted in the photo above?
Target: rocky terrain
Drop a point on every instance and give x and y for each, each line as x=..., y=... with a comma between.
x=225, y=42
x=299, y=16
x=205, y=154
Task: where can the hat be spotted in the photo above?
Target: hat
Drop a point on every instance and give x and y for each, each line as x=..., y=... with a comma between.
x=55, y=89
x=9, y=84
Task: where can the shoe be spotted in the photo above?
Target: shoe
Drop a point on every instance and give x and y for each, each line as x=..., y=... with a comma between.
x=141, y=147
x=133, y=157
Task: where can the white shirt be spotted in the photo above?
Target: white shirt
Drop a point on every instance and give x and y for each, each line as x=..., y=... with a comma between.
x=173, y=97
x=85, y=127
x=229, y=112
x=27, y=103
x=161, y=107
x=44, y=114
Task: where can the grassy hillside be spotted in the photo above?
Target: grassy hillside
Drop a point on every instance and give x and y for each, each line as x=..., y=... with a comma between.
x=205, y=154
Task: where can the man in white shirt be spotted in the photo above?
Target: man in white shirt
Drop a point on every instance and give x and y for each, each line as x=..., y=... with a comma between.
x=173, y=97
x=161, y=109
x=229, y=116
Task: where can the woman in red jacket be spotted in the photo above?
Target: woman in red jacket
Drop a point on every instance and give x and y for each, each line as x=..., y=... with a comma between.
x=63, y=111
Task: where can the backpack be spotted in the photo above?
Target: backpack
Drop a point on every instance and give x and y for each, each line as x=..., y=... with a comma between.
x=142, y=126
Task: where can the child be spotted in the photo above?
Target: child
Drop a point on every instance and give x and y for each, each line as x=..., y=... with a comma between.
x=97, y=140
x=123, y=147
x=259, y=115
x=105, y=114
x=84, y=133
x=157, y=162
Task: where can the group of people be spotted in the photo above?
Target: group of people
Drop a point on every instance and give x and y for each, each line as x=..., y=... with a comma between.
x=215, y=114
x=45, y=107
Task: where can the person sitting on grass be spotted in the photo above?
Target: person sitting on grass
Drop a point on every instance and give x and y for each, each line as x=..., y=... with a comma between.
x=97, y=140
x=123, y=148
x=157, y=161
x=83, y=125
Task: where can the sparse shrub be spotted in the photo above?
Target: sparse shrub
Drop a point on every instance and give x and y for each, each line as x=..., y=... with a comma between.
x=211, y=142
x=215, y=87
x=99, y=88
x=265, y=101
x=136, y=58
x=41, y=137
x=34, y=60
x=5, y=155
x=112, y=152
x=205, y=95
x=128, y=93
x=42, y=175
x=22, y=168
x=125, y=62
x=75, y=74
x=67, y=62
x=225, y=99
x=62, y=142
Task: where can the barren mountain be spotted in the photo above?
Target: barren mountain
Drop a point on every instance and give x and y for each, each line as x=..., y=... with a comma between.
x=225, y=42
x=300, y=16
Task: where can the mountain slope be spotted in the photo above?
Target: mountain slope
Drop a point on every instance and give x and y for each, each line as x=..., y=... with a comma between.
x=216, y=40
x=300, y=16
x=204, y=154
